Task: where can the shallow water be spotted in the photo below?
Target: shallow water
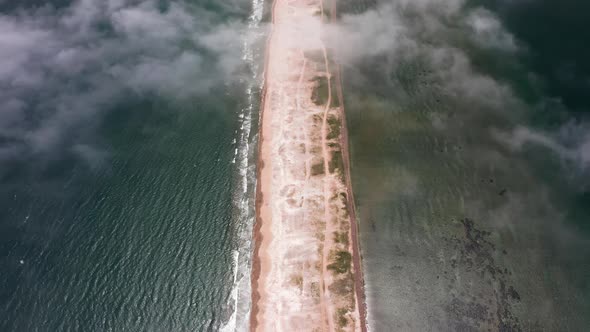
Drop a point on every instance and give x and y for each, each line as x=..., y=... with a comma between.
x=458, y=232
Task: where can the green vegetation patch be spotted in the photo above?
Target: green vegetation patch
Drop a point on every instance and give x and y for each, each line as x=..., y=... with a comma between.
x=342, y=262
x=317, y=169
x=343, y=198
x=319, y=96
x=341, y=238
x=335, y=100
x=314, y=288
x=297, y=280
x=341, y=317
x=317, y=119
x=343, y=287
x=336, y=162
x=320, y=93
x=335, y=126
x=320, y=236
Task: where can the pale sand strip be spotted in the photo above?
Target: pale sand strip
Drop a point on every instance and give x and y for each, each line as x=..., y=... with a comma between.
x=306, y=255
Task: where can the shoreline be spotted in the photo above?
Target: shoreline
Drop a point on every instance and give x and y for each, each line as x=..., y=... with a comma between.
x=355, y=236
x=357, y=259
x=280, y=245
x=257, y=229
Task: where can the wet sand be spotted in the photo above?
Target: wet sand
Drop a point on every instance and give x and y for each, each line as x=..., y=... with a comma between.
x=306, y=271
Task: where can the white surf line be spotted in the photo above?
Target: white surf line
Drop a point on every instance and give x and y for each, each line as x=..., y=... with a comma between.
x=230, y=325
x=245, y=164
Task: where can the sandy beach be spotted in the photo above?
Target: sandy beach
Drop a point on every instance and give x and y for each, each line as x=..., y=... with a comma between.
x=306, y=273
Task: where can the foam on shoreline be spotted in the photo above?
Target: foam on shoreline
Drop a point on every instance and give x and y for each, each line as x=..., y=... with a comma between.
x=245, y=182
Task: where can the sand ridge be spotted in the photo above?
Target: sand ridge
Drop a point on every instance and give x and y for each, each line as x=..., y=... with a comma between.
x=306, y=257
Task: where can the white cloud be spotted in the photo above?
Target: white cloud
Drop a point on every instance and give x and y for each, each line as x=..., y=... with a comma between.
x=63, y=67
x=438, y=7
x=18, y=45
x=571, y=142
x=389, y=32
x=372, y=33
x=403, y=31
x=487, y=31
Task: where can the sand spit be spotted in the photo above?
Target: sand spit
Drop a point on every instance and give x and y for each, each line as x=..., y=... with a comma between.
x=306, y=271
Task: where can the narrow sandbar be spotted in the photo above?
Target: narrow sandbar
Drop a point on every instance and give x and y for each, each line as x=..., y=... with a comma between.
x=306, y=272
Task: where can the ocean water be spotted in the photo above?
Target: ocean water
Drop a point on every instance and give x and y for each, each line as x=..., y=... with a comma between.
x=155, y=237
x=143, y=244
x=459, y=232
